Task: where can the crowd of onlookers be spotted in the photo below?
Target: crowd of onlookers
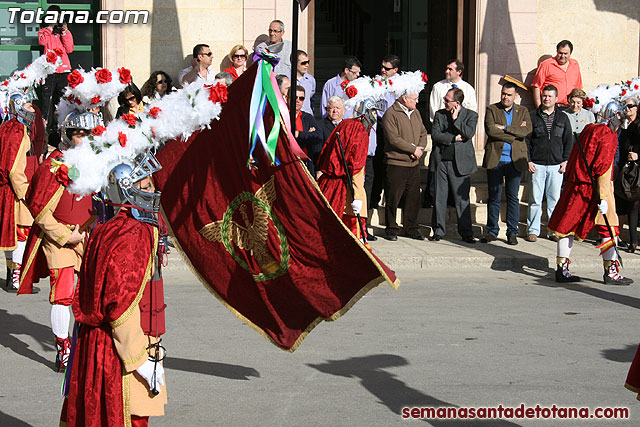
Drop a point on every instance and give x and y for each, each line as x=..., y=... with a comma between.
x=533, y=144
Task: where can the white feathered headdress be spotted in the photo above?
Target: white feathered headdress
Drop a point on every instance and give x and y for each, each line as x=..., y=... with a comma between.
x=378, y=87
x=26, y=80
x=598, y=98
x=88, y=89
x=177, y=114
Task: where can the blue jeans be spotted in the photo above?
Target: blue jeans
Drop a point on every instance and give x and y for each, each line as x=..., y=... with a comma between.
x=511, y=177
x=545, y=180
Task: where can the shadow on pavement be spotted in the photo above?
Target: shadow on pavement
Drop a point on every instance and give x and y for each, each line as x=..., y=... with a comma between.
x=624, y=355
x=509, y=258
x=391, y=392
x=8, y=420
x=16, y=324
x=222, y=370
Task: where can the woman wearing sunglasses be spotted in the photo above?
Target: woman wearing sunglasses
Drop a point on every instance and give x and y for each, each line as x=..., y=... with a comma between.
x=130, y=100
x=629, y=151
x=158, y=85
x=238, y=57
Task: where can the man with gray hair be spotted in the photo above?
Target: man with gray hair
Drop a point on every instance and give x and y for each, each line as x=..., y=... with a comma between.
x=335, y=113
x=283, y=51
x=224, y=78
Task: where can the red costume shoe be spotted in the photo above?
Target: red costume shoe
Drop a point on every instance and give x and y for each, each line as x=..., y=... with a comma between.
x=63, y=348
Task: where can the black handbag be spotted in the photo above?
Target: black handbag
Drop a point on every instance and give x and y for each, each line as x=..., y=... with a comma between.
x=628, y=182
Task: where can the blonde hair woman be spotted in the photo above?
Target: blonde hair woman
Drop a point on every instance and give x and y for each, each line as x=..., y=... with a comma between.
x=238, y=57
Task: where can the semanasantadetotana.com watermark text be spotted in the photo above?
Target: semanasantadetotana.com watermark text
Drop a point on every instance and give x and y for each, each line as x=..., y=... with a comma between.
x=40, y=16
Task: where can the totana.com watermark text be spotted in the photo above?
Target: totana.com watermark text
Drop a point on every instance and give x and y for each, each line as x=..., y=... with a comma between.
x=40, y=16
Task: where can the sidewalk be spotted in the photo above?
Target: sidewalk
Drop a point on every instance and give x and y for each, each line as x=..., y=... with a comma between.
x=408, y=254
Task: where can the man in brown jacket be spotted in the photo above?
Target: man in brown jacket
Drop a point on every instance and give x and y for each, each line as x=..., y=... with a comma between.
x=507, y=124
x=405, y=140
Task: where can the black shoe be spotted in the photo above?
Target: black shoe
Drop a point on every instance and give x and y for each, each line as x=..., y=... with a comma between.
x=622, y=244
x=561, y=278
x=620, y=281
x=435, y=238
x=488, y=238
x=371, y=238
x=416, y=236
x=470, y=239
x=512, y=240
x=392, y=237
x=631, y=248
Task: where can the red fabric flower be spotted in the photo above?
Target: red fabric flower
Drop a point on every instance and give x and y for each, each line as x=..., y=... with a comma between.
x=130, y=119
x=624, y=92
x=98, y=130
x=635, y=87
x=588, y=103
x=629, y=82
x=351, y=91
x=218, y=93
x=22, y=76
x=71, y=99
x=75, y=78
x=424, y=77
x=52, y=57
x=379, y=82
x=58, y=51
x=125, y=75
x=122, y=139
x=344, y=84
x=390, y=82
x=153, y=133
x=5, y=83
x=154, y=112
x=96, y=100
x=103, y=75
x=62, y=175
x=78, y=101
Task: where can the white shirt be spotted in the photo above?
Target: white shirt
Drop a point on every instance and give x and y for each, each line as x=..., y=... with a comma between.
x=210, y=75
x=406, y=110
x=439, y=91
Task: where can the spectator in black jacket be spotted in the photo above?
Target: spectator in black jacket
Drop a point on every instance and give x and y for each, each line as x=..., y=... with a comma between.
x=308, y=133
x=335, y=113
x=548, y=147
x=629, y=150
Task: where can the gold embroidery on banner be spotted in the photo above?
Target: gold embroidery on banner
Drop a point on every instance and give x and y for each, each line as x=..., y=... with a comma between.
x=123, y=318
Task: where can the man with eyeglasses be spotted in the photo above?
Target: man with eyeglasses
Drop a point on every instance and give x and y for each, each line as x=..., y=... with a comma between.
x=203, y=58
x=283, y=51
x=333, y=86
x=452, y=161
x=306, y=80
x=452, y=79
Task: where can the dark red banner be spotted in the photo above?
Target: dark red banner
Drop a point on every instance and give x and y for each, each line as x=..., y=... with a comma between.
x=263, y=240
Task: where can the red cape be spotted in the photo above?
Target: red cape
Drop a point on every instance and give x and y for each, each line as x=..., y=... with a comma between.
x=115, y=269
x=44, y=191
x=11, y=145
x=355, y=142
x=576, y=211
x=264, y=241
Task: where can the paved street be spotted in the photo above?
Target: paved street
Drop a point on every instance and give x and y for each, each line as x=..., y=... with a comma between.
x=471, y=337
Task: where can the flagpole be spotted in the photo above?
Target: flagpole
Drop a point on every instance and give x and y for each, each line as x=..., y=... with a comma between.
x=294, y=67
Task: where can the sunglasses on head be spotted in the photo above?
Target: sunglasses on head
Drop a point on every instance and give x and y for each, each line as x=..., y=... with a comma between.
x=304, y=62
x=239, y=56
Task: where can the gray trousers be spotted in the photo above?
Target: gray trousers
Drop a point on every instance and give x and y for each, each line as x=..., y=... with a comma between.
x=445, y=178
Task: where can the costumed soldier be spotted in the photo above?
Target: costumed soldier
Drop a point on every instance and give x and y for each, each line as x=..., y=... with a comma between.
x=113, y=282
x=22, y=141
x=57, y=239
x=588, y=198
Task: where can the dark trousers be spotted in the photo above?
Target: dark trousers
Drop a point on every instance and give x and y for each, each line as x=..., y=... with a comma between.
x=511, y=176
x=402, y=180
x=633, y=222
x=447, y=178
x=52, y=90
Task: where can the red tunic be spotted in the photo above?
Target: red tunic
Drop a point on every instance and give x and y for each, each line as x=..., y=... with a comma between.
x=576, y=210
x=112, y=279
x=13, y=145
x=355, y=143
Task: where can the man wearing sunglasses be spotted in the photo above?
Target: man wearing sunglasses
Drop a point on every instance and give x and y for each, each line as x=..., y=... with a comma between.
x=452, y=79
x=203, y=58
x=306, y=80
x=350, y=72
